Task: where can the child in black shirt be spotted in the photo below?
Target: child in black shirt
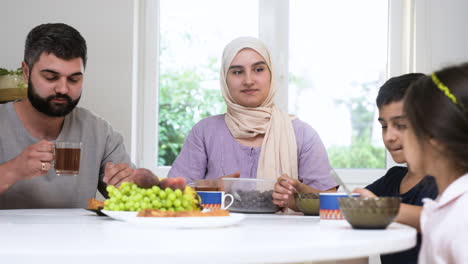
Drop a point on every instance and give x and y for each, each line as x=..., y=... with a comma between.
x=400, y=181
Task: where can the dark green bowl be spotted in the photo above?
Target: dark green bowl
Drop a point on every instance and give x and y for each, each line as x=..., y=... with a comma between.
x=369, y=213
x=308, y=203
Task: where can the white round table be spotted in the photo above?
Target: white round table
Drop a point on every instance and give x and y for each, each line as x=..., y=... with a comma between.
x=80, y=236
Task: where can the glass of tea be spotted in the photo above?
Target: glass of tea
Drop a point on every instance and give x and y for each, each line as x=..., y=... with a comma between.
x=67, y=158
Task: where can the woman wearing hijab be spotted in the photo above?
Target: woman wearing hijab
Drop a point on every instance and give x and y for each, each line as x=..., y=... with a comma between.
x=254, y=138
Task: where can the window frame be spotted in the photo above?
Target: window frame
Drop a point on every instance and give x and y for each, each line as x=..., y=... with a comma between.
x=274, y=31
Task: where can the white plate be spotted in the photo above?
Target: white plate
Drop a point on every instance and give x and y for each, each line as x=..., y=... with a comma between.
x=177, y=222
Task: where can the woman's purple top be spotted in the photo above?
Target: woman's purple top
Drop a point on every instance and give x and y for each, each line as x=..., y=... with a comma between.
x=210, y=152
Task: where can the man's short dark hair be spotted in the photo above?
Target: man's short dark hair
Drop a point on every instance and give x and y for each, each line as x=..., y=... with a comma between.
x=395, y=88
x=60, y=39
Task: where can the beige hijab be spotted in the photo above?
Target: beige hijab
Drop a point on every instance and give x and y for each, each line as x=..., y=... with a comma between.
x=279, y=149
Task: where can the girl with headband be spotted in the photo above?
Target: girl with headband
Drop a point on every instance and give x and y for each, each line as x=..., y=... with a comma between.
x=436, y=143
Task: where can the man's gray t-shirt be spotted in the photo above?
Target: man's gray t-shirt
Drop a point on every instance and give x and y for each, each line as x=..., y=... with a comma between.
x=101, y=144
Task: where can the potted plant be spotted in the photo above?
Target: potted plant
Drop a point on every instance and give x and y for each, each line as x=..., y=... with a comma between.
x=12, y=85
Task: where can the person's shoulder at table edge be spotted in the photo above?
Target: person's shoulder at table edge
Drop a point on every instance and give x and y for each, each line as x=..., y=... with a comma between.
x=86, y=119
x=79, y=116
x=211, y=125
x=210, y=121
x=392, y=176
x=307, y=138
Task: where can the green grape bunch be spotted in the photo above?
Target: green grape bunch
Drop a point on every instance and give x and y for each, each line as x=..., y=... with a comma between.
x=130, y=197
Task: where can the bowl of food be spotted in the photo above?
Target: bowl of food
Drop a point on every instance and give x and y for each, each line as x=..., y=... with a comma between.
x=250, y=195
x=369, y=212
x=308, y=203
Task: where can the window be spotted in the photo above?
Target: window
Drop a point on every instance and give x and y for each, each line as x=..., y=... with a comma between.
x=192, y=39
x=331, y=59
x=337, y=62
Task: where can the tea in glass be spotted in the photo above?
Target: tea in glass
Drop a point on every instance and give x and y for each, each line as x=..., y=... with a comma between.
x=67, y=158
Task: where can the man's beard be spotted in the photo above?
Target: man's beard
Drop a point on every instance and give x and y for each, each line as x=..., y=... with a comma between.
x=47, y=107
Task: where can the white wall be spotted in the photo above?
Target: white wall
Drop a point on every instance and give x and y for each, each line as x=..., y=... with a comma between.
x=448, y=34
x=440, y=37
x=107, y=26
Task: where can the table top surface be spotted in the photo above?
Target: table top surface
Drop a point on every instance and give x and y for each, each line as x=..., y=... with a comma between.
x=78, y=235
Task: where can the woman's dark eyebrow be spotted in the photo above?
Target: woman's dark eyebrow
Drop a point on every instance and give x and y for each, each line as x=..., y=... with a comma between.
x=241, y=67
x=235, y=67
x=259, y=63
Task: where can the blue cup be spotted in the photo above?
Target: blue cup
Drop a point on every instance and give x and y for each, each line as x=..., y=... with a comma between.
x=214, y=200
x=329, y=206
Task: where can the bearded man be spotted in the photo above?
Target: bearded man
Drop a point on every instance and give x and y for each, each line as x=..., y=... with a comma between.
x=54, y=65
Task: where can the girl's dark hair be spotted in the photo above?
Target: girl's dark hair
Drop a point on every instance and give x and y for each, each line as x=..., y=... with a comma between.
x=432, y=114
x=59, y=39
x=395, y=88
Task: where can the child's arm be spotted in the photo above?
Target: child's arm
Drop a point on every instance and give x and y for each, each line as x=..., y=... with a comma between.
x=409, y=215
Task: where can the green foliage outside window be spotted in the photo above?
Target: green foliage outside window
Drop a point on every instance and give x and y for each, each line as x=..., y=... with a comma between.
x=361, y=153
x=183, y=101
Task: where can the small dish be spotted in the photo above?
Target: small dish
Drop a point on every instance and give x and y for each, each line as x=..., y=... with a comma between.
x=308, y=203
x=369, y=213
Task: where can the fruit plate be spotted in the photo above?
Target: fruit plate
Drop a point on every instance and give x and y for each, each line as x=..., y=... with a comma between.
x=177, y=222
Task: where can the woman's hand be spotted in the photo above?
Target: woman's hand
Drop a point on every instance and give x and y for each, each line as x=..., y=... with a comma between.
x=234, y=175
x=364, y=192
x=283, y=193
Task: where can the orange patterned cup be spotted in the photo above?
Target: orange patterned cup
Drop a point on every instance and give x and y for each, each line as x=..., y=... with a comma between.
x=329, y=206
